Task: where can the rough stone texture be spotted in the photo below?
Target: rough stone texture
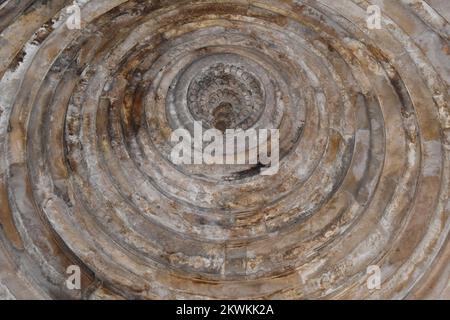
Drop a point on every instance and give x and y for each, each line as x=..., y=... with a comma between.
x=85, y=121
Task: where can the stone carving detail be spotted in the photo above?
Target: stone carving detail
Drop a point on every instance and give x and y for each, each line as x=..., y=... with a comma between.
x=226, y=97
x=89, y=197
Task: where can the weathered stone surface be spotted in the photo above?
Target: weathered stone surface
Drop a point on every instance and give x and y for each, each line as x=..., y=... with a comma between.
x=85, y=122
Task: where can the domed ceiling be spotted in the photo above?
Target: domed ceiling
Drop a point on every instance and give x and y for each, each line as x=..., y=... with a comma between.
x=91, y=92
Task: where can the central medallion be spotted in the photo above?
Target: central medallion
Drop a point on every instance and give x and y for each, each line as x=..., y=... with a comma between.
x=226, y=96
